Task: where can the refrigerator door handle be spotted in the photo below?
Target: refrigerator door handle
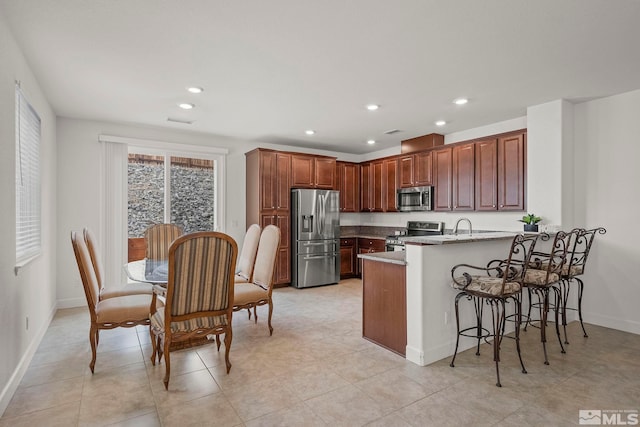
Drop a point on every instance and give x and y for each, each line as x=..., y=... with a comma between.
x=317, y=257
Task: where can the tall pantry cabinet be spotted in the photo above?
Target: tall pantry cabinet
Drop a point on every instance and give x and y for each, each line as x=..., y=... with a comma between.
x=268, y=187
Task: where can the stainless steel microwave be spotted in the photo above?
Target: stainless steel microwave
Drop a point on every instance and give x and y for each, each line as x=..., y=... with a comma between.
x=414, y=199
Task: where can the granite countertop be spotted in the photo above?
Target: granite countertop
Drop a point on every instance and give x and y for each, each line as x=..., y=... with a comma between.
x=396, y=257
x=446, y=239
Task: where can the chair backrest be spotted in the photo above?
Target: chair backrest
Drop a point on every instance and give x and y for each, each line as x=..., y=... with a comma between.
x=553, y=261
x=201, y=270
x=247, y=256
x=87, y=274
x=266, y=257
x=92, y=246
x=514, y=268
x=579, y=252
x=158, y=238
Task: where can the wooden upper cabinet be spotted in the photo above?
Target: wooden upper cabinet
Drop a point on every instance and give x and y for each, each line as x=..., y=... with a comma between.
x=365, y=187
x=443, y=179
x=415, y=170
x=405, y=171
x=308, y=171
x=349, y=186
x=275, y=169
x=390, y=187
x=378, y=184
x=463, y=177
x=487, y=175
x=511, y=172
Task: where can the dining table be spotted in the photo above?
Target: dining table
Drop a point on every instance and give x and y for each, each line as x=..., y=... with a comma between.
x=148, y=271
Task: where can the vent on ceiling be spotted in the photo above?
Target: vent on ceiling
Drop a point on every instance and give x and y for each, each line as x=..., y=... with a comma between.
x=186, y=122
x=392, y=131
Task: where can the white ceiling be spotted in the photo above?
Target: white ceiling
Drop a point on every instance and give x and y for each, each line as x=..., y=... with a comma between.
x=273, y=68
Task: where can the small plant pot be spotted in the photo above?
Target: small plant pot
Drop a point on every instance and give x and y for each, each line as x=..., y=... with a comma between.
x=531, y=227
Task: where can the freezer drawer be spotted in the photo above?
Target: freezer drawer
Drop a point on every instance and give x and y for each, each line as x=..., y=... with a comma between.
x=316, y=269
x=317, y=247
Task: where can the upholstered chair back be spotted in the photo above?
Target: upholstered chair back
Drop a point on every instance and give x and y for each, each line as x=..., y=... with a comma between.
x=247, y=256
x=88, y=276
x=92, y=246
x=266, y=256
x=201, y=270
x=158, y=238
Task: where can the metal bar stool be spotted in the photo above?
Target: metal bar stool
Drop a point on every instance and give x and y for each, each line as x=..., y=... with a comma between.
x=498, y=283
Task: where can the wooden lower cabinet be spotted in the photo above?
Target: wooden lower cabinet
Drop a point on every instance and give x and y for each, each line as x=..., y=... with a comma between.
x=282, y=274
x=384, y=305
x=367, y=246
x=348, y=258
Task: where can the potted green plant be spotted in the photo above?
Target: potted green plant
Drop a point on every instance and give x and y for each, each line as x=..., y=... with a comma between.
x=530, y=222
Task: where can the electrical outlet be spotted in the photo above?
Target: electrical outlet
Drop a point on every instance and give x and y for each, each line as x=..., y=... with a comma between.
x=27, y=322
x=446, y=317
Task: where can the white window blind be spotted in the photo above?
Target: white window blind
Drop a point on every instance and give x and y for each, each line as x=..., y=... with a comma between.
x=28, y=219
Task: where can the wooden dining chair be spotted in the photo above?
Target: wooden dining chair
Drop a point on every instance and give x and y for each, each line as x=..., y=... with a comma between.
x=199, y=294
x=111, y=291
x=158, y=238
x=125, y=311
x=247, y=256
x=258, y=291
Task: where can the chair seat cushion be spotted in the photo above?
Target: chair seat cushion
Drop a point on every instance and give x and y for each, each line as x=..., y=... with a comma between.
x=245, y=293
x=539, y=277
x=130, y=289
x=491, y=286
x=126, y=308
x=575, y=270
x=157, y=323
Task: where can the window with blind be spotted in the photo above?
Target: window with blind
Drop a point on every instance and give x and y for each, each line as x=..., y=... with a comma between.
x=28, y=218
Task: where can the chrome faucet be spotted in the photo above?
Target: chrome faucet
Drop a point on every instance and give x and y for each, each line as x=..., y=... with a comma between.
x=455, y=229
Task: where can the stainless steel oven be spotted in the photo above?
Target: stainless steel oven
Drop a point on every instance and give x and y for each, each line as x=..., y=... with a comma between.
x=414, y=228
x=414, y=199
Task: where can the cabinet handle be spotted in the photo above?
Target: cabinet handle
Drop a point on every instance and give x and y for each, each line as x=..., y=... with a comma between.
x=502, y=206
x=493, y=206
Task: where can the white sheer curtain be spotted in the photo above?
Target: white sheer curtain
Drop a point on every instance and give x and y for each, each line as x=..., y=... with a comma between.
x=114, y=211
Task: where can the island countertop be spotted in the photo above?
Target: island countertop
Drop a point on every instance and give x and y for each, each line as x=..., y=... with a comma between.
x=391, y=257
x=446, y=239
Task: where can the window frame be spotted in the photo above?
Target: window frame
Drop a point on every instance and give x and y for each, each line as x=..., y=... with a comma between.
x=28, y=197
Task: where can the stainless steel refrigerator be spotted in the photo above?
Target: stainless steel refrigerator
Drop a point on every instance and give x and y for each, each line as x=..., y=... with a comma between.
x=315, y=233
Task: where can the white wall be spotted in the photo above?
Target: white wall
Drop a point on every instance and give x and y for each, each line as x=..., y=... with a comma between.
x=606, y=180
x=30, y=293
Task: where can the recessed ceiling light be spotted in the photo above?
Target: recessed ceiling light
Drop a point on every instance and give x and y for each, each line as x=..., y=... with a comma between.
x=372, y=107
x=371, y=142
x=310, y=132
x=186, y=106
x=441, y=123
x=460, y=101
x=195, y=89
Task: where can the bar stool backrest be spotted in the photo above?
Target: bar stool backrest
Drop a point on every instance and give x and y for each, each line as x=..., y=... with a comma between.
x=579, y=253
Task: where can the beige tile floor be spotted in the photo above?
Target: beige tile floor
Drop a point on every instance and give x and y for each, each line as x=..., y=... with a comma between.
x=316, y=370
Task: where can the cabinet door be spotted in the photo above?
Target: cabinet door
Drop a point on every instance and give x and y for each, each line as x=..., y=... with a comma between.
x=405, y=171
x=463, y=177
x=390, y=170
x=347, y=258
x=422, y=169
x=378, y=179
x=283, y=185
x=443, y=179
x=325, y=173
x=282, y=273
x=302, y=171
x=349, y=186
x=487, y=175
x=511, y=155
x=365, y=187
x=268, y=172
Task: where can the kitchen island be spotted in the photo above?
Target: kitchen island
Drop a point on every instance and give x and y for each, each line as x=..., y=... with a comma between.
x=429, y=298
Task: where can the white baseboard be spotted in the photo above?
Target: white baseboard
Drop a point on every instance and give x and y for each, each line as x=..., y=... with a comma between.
x=624, y=325
x=13, y=383
x=71, y=303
